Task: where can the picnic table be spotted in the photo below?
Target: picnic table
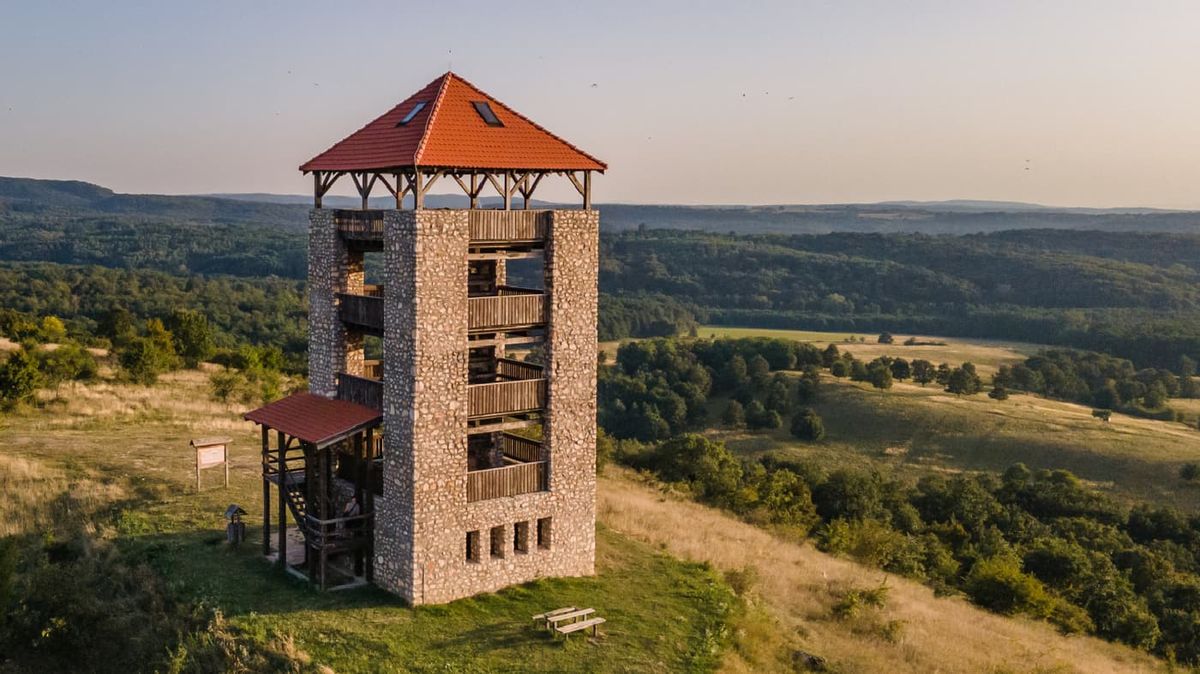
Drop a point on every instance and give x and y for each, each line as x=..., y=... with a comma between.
x=569, y=619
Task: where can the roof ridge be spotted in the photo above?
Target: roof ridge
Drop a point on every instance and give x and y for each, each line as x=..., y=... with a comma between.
x=437, y=104
x=535, y=125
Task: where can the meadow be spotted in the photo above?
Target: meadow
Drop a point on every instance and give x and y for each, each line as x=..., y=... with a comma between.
x=115, y=458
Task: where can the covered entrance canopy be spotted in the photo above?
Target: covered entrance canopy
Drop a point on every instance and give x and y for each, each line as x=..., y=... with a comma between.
x=314, y=438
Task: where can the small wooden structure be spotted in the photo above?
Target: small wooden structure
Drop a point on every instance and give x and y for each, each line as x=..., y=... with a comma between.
x=210, y=453
x=569, y=619
x=318, y=445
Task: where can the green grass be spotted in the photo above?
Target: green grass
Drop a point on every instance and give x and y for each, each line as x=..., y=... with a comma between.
x=128, y=445
x=919, y=430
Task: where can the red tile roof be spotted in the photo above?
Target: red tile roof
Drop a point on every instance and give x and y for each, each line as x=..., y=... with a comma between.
x=449, y=133
x=312, y=418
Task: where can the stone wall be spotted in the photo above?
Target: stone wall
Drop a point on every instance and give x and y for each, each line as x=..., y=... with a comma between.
x=328, y=263
x=421, y=529
x=425, y=397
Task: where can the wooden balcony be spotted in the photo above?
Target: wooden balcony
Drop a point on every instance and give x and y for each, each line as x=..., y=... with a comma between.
x=366, y=392
x=520, y=478
x=519, y=387
x=486, y=226
x=511, y=308
x=518, y=448
x=494, y=226
x=364, y=312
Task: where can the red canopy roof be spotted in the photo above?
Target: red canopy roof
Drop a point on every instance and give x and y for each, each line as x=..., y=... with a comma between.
x=312, y=418
x=448, y=132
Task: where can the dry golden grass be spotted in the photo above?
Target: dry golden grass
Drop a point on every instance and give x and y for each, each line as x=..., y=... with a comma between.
x=987, y=355
x=797, y=586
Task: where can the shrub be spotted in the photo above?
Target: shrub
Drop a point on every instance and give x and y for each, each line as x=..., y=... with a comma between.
x=998, y=393
x=69, y=362
x=19, y=377
x=734, y=415
x=997, y=583
x=886, y=338
x=1189, y=472
x=1102, y=415
x=807, y=425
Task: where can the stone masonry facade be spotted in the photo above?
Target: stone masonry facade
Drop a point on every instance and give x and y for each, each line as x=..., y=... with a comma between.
x=421, y=527
x=328, y=269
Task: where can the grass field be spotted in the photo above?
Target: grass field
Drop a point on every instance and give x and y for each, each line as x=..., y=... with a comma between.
x=119, y=453
x=987, y=355
x=917, y=430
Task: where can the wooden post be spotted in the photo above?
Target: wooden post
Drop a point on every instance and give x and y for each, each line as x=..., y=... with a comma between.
x=227, y=466
x=507, y=191
x=281, y=439
x=266, y=490
x=317, y=191
x=419, y=190
x=369, y=507
x=587, y=190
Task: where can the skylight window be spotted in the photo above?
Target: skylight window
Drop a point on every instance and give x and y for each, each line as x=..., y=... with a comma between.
x=485, y=111
x=412, y=113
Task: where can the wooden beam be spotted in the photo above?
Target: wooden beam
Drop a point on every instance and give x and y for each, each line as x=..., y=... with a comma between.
x=281, y=441
x=418, y=190
x=266, y=490
x=317, y=191
x=575, y=181
x=587, y=190
x=507, y=191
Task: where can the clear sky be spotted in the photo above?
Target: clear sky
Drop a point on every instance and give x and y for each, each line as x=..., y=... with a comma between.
x=1069, y=103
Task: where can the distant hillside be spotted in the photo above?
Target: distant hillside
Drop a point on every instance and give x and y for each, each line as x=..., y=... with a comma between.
x=59, y=197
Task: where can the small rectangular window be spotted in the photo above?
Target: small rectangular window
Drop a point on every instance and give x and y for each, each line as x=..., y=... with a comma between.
x=412, y=113
x=521, y=537
x=472, y=546
x=543, y=533
x=498, y=542
x=485, y=111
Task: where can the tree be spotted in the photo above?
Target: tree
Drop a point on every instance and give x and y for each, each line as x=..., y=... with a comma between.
x=809, y=385
x=923, y=371
x=886, y=338
x=734, y=375
x=998, y=393
x=1155, y=397
x=963, y=380
x=164, y=343
x=829, y=356
x=759, y=417
x=901, y=369
x=807, y=425
x=19, y=377
x=759, y=369
x=193, y=339
x=858, y=370
x=779, y=394
x=52, y=330
x=1189, y=472
x=942, y=375
x=840, y=368
x=1102, y=415
x=734, y=416
x=1107, y=397
x=68, y=362
x=117, y=325
x=880, y=376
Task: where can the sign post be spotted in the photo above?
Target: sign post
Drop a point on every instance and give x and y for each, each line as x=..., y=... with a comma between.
x=211, y=452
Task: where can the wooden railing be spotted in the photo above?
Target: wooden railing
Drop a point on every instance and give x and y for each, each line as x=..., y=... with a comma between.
x=366, y=392
x=505, y=397
x=496, y=225
x=373, y=369
x=361, y=310
x=519, y=448
x=512, y=308
x=372, y=290
x=522, y=478
x=359, y=224
x=485, y=225
x=509, y=368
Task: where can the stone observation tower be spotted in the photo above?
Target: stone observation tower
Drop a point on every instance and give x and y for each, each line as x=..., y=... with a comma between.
x=446, y=445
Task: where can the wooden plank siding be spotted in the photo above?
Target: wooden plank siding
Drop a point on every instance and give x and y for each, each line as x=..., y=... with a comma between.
x=366, y=392
x=353, y=224
x=522, y=478
x=505, y=397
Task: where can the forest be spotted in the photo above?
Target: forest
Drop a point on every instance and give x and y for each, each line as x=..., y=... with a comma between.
x=1036, y=543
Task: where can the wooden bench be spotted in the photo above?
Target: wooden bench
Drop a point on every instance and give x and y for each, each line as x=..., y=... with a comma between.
x=593, y=623
x=545, y=617
x=572, y=616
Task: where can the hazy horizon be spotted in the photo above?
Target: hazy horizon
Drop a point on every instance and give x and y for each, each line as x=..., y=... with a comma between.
x=689, y=103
